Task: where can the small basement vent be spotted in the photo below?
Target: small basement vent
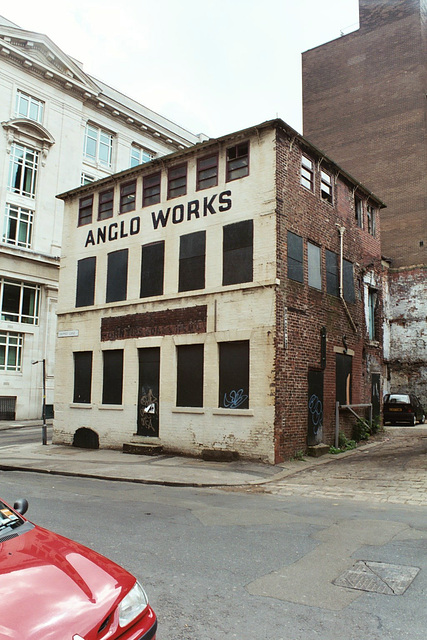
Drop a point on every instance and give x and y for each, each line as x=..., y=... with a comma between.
x=86, y=438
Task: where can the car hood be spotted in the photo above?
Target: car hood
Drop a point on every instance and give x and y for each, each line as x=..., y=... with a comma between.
x=52, y=588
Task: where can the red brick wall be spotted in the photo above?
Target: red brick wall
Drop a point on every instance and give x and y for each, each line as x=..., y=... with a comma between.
x=308, y=310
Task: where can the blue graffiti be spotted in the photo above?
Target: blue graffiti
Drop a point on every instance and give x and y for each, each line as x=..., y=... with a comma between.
x=315, y=407
x=235, y=399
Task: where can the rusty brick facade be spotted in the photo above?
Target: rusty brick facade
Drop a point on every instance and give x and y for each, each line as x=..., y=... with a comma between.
x=364, y=103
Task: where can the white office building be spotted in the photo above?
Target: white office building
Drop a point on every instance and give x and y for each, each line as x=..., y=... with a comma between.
x=60, y=128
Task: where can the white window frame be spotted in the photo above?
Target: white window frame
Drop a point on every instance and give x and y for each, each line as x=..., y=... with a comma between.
x=22, y=219
x=326, y=190
x=27, y=106
x=307, y=173
x=371, y=220
x=358, y=211
x=24, y=289
x=11, y=343
x=372, y=302
x=85, y=178
x=102, y=141
x=139, y=155
x=24, y=160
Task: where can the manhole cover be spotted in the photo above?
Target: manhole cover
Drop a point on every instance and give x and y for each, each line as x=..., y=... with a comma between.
x=378, y=577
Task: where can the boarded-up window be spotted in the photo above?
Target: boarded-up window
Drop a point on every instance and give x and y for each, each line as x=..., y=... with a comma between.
x=192, y=261
x=348, y=281
x=82, y=376
x=112, y=383
x=332, y=281
x=189, y=389
x=234, y=374
x=314, y=272
x=85, y=289
x=295, y=257
x=237, y=265
x=152, y=269
x=117, y=275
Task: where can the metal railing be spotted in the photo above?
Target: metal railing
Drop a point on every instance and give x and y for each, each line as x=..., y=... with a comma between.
x=350, y=408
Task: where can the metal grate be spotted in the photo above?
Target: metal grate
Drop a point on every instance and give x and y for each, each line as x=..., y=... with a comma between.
x=7, y=407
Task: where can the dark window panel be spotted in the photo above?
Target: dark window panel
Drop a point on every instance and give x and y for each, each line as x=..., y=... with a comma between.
x=82, y=376
x=105, y=204
x=295, y=257
x=151, y=189
x=189, y=391
x=85, y=210
x=127, y=196
x=238, y=252
x=112, y=385
x=192, y=261
x=85, y=290
x=207, y=172
x=117, y=275
x=332, y=281
x=177, y=181
x=348, y=281
x=152, y=269
x=234, y=374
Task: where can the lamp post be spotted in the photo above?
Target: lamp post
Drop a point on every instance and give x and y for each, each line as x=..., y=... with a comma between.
x=44, y=427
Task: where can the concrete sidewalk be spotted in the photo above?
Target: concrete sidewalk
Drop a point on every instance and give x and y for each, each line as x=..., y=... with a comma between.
x=114, y=465
x=162, y=469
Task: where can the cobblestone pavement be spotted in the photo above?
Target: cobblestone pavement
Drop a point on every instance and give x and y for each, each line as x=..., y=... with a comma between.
x=391, y=470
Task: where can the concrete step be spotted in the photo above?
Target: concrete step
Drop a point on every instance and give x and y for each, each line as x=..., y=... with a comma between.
x=318, y=450
x=140, y=449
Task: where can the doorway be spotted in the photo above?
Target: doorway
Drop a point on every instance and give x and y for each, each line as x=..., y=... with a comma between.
x=148, y=392
x=315, y=408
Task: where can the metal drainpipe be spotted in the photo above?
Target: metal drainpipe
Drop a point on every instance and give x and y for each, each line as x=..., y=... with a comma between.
x=341, y=232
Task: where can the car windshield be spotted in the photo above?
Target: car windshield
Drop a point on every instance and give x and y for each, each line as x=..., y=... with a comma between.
x=394, y=398
x=8, y=519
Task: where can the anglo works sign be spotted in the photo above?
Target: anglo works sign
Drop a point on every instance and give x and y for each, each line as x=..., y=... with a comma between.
x=200, y=208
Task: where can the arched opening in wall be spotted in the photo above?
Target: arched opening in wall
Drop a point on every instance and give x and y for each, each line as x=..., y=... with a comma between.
x=85, y=438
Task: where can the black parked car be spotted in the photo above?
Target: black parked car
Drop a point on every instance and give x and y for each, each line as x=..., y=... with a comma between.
x=402, y=407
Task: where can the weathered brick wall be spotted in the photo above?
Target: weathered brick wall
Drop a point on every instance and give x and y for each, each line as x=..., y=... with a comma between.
x=302, y=311
x=407, y=361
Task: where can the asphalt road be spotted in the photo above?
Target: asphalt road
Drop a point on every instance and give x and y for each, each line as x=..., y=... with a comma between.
x=220, y=564
x=23, y=435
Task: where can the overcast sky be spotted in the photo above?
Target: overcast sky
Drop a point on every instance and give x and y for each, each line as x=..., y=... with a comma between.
x=211, y=66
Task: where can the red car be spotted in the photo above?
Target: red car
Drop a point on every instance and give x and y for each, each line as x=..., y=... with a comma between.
x=52, y=588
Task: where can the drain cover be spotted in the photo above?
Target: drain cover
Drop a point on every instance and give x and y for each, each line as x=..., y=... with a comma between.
x=378, y=577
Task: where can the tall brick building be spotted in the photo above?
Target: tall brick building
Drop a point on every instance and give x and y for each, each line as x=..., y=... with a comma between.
x=364, y=98
x=223, y=297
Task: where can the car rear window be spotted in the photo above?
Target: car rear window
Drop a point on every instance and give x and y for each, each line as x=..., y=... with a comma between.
x=395, y=398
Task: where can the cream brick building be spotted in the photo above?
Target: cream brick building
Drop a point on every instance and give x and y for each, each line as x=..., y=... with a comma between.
x=60, y=128
x=220, y=298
